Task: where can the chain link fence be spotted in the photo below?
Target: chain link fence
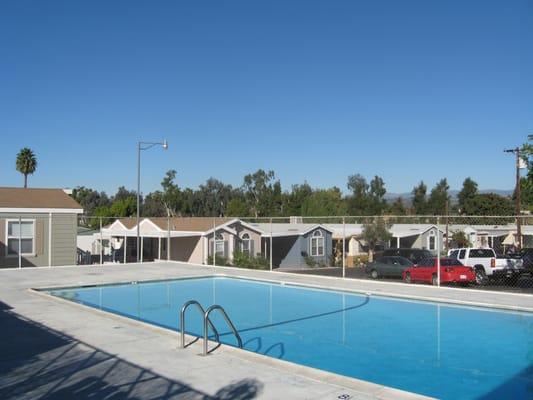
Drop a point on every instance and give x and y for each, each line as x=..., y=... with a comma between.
x=478, y=252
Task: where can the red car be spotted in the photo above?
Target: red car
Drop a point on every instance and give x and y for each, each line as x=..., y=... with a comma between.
x=451, y=270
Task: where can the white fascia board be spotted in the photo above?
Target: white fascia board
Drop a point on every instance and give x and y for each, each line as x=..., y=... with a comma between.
x=220, y=227
x=316, y=227
x=116, y=222
x=178, y=234
x=249, y=226
x=15, y=210
x=149, y=221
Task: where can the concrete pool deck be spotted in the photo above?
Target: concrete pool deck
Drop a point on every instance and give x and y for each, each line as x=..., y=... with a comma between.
x=52, y=348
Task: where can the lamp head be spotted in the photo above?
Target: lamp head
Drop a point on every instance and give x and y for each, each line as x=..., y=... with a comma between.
x=165, y=144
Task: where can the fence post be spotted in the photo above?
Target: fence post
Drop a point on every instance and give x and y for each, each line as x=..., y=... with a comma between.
x=50, y=239
x=343, y=247
x=142, y=249
x=214, y=241
x=438, y=251
x=168, y=238
x=101, y=243
x=20, y=242
x=270, y=244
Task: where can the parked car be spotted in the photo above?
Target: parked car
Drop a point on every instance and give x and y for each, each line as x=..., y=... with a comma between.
x=487, y=264
x=525, y=257
x=388, y=266
x=414, y=255
x=451, y=270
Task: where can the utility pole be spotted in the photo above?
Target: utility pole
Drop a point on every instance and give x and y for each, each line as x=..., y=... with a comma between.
x=518, y=207
x=447, y=211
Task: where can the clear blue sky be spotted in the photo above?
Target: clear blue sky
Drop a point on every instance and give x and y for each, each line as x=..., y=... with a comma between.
x=315, y=90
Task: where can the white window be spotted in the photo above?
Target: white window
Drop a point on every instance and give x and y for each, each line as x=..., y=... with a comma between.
x=317, y=244
x=21, y=234
x=219, y=245
x=432, y=241
x=245, y=243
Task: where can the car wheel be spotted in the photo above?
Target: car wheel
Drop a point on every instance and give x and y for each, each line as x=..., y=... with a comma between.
x=434, y=280
x=374, y=274
x=481, y=276
x=407, y=278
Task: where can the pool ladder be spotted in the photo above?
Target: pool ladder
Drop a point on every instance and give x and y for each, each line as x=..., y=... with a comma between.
x=207, y=323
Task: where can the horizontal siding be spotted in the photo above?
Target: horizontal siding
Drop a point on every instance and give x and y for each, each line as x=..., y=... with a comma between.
x=64, y=231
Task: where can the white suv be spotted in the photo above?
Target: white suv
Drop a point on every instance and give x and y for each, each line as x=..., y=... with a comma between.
x=486, y=264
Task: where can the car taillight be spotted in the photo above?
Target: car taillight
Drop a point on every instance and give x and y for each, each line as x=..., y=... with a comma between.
x=493, y=263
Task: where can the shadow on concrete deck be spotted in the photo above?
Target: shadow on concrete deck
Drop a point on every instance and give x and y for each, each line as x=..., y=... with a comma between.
x=37, y=362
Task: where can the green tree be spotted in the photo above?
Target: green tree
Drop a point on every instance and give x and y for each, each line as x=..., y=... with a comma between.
x=26, y=163
x=420, y=205
x=526, y=183
x=171, y=196
x=262, y=193
x=90, y=199
x=375, y=233
x=438, y=198
x=376, y=202
x=489, y=204
x=467, y=193
x=292, y=202
x=358, y=201
x=460, y=239
x=237, y=207
x=397, y=207
x=213, y=197
x=153, y=205
x=324, y=202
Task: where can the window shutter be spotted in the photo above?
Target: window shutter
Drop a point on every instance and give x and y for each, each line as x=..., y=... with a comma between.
x=252, y=253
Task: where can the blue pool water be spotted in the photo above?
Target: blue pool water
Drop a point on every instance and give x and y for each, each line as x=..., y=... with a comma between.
x=433, y=349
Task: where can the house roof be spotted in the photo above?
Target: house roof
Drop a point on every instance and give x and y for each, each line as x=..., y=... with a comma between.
x=36, y=200
x=397, y=230
x=286, y=229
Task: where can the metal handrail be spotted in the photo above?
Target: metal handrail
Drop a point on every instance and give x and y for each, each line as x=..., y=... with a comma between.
x=182, y=320
x=228, y=321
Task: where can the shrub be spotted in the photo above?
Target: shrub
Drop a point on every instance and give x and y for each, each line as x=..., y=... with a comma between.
x=245, y=260
x=310, y=261
x=360, y=260
x=219, y=260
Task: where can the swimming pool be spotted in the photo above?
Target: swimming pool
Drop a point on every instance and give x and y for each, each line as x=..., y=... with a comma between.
x=434, y=349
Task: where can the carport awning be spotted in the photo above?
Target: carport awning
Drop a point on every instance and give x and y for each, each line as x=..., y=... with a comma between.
x=152, y=234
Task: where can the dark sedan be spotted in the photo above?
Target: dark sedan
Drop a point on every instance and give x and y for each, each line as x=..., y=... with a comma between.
x=388, y=267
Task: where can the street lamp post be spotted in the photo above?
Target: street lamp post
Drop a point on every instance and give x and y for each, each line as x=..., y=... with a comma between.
x=143, y=146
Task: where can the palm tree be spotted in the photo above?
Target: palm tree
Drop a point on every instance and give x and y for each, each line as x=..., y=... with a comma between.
x=26, y=163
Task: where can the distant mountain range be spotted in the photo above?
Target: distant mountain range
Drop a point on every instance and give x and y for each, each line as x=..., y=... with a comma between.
x=407, y=197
